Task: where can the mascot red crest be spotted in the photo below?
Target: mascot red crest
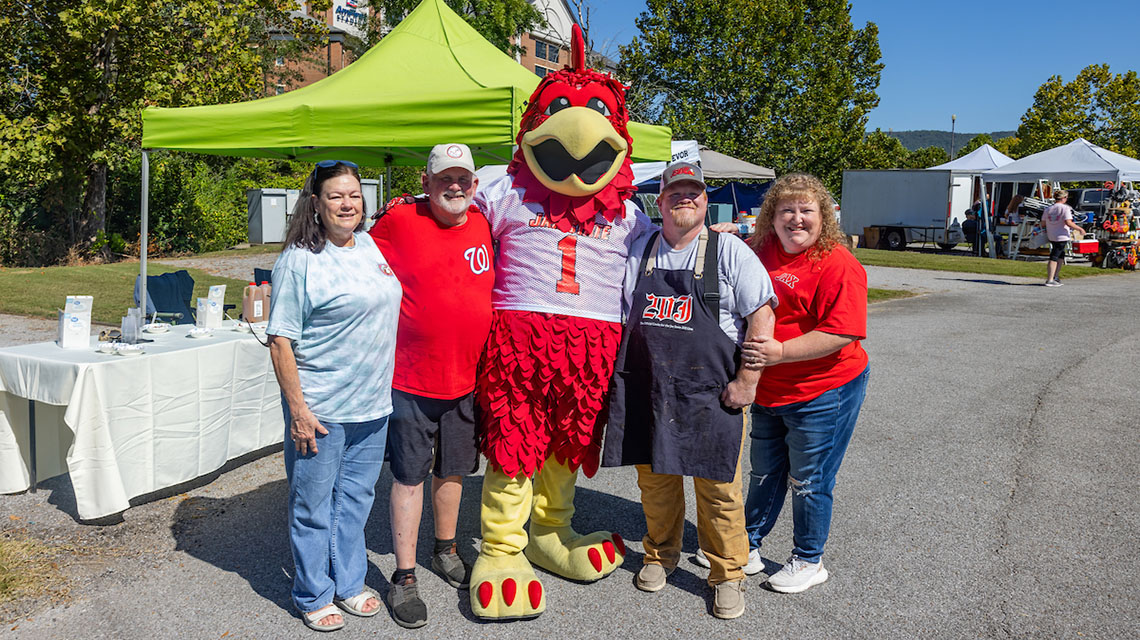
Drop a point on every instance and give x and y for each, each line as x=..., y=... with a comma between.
x=574, y=145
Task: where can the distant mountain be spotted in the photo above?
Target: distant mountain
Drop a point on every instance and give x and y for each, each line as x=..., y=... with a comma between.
x=929, y=138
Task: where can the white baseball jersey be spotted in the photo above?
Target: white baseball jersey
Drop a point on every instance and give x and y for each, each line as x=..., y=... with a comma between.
x=541, y=268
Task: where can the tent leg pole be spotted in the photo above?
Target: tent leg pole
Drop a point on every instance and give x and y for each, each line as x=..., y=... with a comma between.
x=387, y=184
x=143, y=230
x=986, y=211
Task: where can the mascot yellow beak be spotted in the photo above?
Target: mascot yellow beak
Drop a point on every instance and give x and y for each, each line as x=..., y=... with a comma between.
x=575, y=152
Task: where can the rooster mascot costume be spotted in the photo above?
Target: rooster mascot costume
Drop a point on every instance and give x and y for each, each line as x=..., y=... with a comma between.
x=564, y=224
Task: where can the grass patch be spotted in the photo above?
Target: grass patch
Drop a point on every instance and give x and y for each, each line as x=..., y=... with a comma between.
x=39, y=292
x=970, y=264
x=251, y=250
x=26, y=567
x=882, y=295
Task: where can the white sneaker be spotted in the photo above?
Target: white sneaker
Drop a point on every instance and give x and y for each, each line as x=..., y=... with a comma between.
x=797, y=575
x=755, y=562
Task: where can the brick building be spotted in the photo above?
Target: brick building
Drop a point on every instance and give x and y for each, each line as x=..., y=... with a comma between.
x=546, y=49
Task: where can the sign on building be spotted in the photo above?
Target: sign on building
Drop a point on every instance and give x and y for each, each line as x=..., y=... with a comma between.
x=352, y=16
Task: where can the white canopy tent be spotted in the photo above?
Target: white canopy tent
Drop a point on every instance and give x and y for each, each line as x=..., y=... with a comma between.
x=975, y=163
x=1078, y=160
x=980, y=160
x=717, y=165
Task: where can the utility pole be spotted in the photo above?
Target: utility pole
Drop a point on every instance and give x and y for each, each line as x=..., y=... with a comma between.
x=953, y=117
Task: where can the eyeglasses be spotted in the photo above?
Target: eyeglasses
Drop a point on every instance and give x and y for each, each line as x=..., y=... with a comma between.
x=325, y=164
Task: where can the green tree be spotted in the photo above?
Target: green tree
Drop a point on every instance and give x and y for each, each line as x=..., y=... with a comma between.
x=879, y=151
x=1102, y=107
x=496, y=20
x=1008, y=146
x=926, y=157
x=78, y=74
x=976, y=143
x=785, y=83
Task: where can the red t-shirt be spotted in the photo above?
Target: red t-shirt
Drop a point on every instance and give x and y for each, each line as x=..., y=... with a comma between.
x=828, y=295
x=447, y=274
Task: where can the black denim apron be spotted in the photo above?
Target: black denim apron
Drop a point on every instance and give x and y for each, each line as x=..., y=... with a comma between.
x=673, y=364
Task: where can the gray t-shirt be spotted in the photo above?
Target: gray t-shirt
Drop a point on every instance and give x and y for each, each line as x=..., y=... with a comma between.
x=744, y=282
x=340, y=307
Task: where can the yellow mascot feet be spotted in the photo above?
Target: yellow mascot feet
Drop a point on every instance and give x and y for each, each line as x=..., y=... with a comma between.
x=503, y=584
x=556, y=547
x=505, y=588
x=563, y=551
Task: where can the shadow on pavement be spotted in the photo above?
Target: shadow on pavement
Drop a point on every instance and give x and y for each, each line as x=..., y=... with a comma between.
x=987, y=281
x=247, y=534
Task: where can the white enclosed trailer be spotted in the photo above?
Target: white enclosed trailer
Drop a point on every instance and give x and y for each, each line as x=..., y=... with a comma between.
x=903, y=205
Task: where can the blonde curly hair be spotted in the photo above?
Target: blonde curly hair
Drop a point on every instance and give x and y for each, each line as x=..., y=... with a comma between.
x=800, y=187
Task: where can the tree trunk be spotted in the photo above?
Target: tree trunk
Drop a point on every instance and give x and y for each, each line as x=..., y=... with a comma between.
x=94, y=212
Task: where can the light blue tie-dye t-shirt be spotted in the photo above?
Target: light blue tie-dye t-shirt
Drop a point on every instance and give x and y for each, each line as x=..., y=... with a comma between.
x=340, y=307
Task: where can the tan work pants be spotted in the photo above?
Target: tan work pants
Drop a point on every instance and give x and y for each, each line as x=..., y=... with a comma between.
x=720, y=522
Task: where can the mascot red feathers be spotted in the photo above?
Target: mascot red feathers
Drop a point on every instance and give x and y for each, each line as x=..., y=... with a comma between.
x=564, y=224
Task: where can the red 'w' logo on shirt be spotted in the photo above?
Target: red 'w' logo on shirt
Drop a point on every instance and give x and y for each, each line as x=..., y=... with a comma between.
x=677, y=309
x=788, y=279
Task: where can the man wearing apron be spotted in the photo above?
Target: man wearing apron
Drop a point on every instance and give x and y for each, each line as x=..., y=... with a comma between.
x=691, y=297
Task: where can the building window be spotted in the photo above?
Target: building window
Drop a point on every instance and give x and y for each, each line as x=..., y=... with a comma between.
x=280, y=88
x=280, y=61
x=541, y=71
x=546, y=51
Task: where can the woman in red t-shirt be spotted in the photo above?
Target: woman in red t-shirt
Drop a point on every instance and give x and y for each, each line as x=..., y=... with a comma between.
x=815, y=372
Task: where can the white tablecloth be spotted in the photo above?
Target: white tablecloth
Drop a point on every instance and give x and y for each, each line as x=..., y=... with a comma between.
x=123, y=426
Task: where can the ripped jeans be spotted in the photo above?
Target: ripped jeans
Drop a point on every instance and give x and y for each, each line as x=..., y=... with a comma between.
x=800, y=445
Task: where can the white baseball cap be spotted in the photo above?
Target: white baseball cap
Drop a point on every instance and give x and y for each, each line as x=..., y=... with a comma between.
x=448, y=156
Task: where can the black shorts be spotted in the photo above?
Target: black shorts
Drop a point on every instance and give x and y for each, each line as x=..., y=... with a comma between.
x=1057, y=252
x=425, y=429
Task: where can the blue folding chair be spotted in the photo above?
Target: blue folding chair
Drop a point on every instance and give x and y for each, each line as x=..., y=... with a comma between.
x=262, y=275
x=168, y=295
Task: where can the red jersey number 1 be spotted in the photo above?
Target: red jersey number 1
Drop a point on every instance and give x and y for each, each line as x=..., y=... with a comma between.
x=569, y=248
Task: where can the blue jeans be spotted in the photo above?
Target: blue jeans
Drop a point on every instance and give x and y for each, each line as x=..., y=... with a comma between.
x=330, y=497
x=801, y=445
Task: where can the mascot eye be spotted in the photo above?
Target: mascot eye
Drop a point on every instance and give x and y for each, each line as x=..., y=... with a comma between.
x=597, y=105
x=556, y=105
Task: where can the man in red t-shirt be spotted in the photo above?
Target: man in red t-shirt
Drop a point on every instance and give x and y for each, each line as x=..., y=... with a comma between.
x=441, y=252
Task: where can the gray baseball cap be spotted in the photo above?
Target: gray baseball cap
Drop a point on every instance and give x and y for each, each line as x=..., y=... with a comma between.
x=681, y=171
x=447, y=156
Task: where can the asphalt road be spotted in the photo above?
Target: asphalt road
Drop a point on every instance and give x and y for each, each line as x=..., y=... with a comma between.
x=990, y=491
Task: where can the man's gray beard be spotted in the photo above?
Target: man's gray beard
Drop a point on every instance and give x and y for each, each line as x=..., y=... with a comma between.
x=454, y=207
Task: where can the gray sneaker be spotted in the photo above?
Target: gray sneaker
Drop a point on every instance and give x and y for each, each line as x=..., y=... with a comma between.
x=408, y=610
x=755, y=562
x=651, y=577
x=451, y=567
x=728, y=603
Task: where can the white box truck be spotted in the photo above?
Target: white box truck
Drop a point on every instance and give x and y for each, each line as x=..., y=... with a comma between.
x=905, y=205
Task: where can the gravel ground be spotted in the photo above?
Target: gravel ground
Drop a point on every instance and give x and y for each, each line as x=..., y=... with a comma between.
x=989, y=492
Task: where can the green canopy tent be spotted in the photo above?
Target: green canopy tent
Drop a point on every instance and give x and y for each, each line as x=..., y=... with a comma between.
x=432, y=79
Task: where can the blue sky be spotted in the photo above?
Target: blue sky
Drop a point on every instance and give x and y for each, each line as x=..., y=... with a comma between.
x=979, y=60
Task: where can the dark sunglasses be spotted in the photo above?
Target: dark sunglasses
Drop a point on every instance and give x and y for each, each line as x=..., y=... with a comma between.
x=326, y=164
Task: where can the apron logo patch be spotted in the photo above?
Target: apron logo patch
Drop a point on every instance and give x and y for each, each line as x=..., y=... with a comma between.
x=788, y=279
x=677, y=309
x=479, y=258
x=386, y=270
